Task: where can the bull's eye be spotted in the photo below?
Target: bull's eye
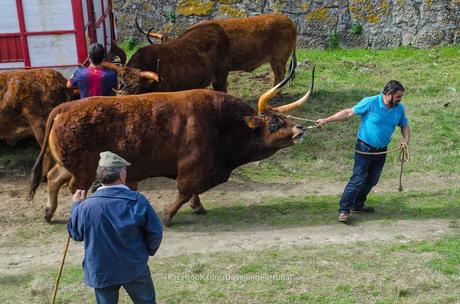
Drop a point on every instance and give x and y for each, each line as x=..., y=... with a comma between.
x=275, y=124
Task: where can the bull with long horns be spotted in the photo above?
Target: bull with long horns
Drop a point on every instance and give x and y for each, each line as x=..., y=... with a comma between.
x=197, y=137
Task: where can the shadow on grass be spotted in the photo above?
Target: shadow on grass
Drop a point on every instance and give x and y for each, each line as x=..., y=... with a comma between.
x=18, y=160
x=14, y=280
x=317, y=210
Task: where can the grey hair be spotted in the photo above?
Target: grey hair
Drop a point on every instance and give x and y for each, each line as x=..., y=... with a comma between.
x=108, y=175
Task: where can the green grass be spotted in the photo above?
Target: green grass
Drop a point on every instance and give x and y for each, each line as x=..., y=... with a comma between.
x=131, y=46
x=317, y=210
x=448, y=262
x=344, y=77
x=411, y=272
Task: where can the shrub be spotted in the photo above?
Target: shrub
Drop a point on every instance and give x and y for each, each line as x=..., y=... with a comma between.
x=171, y=16
x=131, y=43
x=356, y=29
x=334, y=40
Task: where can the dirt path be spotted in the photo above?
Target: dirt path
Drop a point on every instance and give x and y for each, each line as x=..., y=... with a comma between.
x=15, y=260
x=19, y=217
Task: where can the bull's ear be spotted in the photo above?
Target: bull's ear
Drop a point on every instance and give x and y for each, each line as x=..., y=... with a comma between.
x=150, y=75
x=254, y=122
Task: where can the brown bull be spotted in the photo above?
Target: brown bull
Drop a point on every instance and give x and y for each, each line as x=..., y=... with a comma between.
x=269, y=38
x=197, y=137
x=26, y=98
x=195, y=59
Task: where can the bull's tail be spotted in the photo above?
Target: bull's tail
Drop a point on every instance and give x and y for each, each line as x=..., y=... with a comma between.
x=36, y=174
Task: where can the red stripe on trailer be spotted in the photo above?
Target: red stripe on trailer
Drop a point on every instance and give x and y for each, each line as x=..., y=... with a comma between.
x=22, y=29
x=43, y=67
x=10, y=49
x=79, y=25
x=9, y=35
x=50, y=33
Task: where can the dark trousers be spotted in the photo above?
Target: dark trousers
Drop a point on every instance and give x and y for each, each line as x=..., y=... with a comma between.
x=140, y=290
x=366, y=174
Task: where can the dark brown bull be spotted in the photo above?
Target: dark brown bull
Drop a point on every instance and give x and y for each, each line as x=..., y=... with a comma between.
x=195, y=59
x=197, y=137
x=269, y=38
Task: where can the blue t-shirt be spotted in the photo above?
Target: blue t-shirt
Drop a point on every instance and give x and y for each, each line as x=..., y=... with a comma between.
x=120, y=230
x=94, y=81
x=378, y=122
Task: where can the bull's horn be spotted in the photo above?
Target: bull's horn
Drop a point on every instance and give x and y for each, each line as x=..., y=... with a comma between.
x=149, y=75
x=265, y=98
x=112, y=66
x=294, y=105
x=149, y=33
x=155, y=35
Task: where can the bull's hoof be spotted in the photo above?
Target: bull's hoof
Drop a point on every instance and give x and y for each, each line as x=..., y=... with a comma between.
x=200, y=211
x=47, y=216
x=167, y=222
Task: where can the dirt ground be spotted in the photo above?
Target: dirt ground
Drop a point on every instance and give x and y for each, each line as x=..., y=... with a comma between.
x=18, y=216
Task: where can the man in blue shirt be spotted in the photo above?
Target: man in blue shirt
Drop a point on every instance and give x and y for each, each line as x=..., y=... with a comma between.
x=120, y=231
x=380, y=115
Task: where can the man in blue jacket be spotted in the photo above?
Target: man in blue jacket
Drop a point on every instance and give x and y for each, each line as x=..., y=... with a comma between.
x=120, y=231
x=380, y=115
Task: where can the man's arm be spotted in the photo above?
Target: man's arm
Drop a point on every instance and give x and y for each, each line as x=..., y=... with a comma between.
x=73, y=81
x=69, y=84
x=341, y=115
x=405, y=132
x=153, y=230
x=75, y=226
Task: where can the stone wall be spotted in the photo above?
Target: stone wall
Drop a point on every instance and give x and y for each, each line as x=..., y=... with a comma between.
x=347, y=23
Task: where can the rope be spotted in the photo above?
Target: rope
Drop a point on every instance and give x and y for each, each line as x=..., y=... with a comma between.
x=298, y=118
x=403, y=157
x=60, y=270
x=403, y=154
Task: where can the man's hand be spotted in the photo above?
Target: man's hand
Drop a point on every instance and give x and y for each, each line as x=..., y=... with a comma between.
x=404, y=144
x=78, y=196
x=320, y=122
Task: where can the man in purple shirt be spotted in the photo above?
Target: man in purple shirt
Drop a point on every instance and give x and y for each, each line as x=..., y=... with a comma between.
x=94, y=80
x=120, y=230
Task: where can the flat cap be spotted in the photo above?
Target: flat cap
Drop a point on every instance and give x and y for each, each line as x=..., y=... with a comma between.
x=110, y=159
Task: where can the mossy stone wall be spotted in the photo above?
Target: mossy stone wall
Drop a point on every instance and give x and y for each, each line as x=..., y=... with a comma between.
x=358, y=23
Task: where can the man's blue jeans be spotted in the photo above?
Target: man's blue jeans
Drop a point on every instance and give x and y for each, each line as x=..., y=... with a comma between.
x=366, y=174
x=140, y=290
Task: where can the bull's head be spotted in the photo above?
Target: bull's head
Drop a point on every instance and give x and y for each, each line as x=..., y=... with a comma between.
x=132, y=80
x=116, y=52
x=276, y=129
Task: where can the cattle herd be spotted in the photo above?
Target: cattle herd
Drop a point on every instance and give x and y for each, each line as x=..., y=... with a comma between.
x=164, y=121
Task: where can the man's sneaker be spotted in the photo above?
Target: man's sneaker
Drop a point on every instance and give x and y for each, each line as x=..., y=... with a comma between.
x=363, y=210
x=343, y=217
